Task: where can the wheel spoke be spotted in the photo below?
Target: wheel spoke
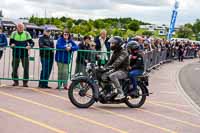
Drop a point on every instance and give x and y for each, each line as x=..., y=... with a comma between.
x=136, y=101
x=83, y=97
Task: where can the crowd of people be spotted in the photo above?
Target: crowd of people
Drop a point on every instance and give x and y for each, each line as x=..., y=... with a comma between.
x=88, y=48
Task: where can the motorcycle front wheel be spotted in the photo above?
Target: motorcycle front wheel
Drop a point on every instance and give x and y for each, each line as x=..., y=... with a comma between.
x=82, y=93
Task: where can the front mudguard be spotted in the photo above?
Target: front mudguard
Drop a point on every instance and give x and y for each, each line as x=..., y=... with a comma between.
x=90, y=81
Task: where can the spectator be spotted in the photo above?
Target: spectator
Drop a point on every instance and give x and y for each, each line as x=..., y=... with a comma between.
x=140, y=40
x=147, y=45
x=3, y=41
x=180, y=52
x=92, y=48
x=46, y=57
x=34, y=33
x=65, y=46
x=83, y=56
x=198, y=47
x=103, y=45
x=22, y=39
x=39, y=34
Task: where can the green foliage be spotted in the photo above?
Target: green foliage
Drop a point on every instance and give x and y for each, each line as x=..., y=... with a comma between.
x=115, y=26
x=99, y=24
x=147, y=33
x=189, y=25
x=196, y=29
x=69, y=24
x=185, y=32
x=134, y=26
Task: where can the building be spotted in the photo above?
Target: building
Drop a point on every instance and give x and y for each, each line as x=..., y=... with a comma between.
x=162, y=30
x=8, y=26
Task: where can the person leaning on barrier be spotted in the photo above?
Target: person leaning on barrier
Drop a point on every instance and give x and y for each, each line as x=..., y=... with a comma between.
x=65, y=46
x=46, y=57
x=136, y=67
x=198, y=49
x=83, y=56
x=118, y=65
x=103, y=45
x=93, y=54
x=181, y=50
x=3, y=41
x=147, y=47
x=140, y=41
x=20, y=42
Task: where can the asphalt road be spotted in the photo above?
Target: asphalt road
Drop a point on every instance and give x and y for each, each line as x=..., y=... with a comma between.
x=31, y=110
x=190, y=81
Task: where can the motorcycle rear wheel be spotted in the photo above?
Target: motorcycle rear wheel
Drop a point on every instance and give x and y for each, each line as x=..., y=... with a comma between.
x=131, y=101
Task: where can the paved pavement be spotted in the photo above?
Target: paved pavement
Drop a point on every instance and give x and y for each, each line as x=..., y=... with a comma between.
x=30, y=110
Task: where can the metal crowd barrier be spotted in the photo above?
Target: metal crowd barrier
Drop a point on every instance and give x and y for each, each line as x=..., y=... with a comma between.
x=30, y=60
x=188, y=53
x=155, y=58
x=77, y=63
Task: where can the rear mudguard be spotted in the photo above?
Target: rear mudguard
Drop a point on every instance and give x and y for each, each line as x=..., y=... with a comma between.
x=145, y=88
x=85, y=78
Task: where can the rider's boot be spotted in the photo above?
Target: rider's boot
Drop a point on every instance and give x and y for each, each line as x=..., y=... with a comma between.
x=120, y=94
x=112, y=94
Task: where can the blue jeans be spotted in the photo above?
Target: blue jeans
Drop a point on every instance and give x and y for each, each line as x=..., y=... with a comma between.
x=132, y=75
x=46, y=71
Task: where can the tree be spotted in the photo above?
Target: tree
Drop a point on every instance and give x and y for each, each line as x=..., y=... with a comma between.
x=147, y=33
x=41, y=21
x=63, y=19
x=69, y=24
x=189, y=25
x=134, y=26
x=129, y=34
x=117, y=26
x=76, y=29
x=99, y=24
x=184, y=32
x=117, y=32
x=196, y=28
x=79, y=21
x=32, y=19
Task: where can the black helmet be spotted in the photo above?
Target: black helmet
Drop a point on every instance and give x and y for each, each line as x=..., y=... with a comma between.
x=117, y=41
x=133, y=45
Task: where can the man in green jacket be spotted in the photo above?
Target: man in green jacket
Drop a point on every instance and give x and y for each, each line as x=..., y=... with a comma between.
x=21, y=42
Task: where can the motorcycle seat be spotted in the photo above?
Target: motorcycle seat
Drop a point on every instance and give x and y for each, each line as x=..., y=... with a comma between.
x=143, y=77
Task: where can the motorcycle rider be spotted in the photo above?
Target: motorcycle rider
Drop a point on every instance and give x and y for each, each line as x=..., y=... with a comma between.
x=118, y=65
x=136, y=67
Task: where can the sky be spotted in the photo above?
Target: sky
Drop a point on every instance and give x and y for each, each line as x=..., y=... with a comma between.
x=152, y=11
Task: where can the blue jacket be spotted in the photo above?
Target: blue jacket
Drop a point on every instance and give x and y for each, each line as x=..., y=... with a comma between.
x=62, y=56
x=3, y=40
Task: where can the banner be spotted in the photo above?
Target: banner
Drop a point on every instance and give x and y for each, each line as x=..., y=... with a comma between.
x=173, y=20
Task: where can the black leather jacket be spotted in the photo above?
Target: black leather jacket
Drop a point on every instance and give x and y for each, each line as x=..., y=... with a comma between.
x=46, y=42
x=136, y=61
x=119, y=60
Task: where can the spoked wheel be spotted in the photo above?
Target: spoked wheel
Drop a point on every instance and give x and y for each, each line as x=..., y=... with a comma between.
x=137, y=101
x=81, y=93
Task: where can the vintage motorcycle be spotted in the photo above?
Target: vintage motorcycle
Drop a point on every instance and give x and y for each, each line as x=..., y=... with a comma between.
x=87, y=89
